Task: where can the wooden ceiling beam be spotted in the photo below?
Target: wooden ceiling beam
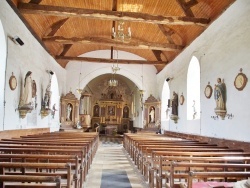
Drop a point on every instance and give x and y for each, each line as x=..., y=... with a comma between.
x=66, y=48
x=103, y=60
x=55, y=27
x=28, y=8
x=111, y=42
x=157, y=54
x=186, y=6
x=168, y=32
x=35, y=1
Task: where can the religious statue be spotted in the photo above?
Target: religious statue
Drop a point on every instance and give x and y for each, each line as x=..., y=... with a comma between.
x=25, y=104
x=175, y=104
x=96, y=110
x=69, y=109
x=220, y=98
x=26, y=97
x=174, y=100
x=152, y=115
x=47, y=96
x=53, y=111
x=78, y=125
x=125, y=112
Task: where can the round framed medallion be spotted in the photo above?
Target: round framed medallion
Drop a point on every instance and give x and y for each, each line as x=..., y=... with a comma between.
x=208, y=91
x=240, y=81
x=13, y=82
x=182, y=99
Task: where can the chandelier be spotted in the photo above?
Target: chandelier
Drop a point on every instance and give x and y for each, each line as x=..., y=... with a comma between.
x=119, y=34
x=79, y=90
x=113, y=82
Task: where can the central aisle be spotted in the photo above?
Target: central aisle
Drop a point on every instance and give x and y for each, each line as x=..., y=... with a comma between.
x=112, y=168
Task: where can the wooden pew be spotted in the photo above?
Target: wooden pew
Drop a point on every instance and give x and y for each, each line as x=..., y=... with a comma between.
x=147, y=151
x=150, y=170
x=89, y=153
x=64, y=173
x=90, y=149
x=147, y=158
x=180, y=170
x=51, y=149
x=53, y=152
x=31, y=181
x=236, y=175
x=163, y=168
x=141, y=148
x=47, y=159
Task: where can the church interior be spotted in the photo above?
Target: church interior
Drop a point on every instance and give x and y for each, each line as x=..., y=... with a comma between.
x=124, y=93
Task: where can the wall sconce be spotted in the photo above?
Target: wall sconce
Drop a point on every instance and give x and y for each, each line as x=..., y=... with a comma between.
x=230, y=116
x=50, y=72
x=17, y=40
x=169, y=79
x=215, y=117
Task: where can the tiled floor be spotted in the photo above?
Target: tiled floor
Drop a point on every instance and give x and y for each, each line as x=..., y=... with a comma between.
x=112, y=156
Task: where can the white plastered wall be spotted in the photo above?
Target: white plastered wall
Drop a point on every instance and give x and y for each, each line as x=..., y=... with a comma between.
x=222, y=50
x=20, y=59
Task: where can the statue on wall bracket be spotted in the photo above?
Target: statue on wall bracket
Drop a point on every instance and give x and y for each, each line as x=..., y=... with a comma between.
x=25, y=104
x=220, y=98
x=174, y=100
x=45, y=110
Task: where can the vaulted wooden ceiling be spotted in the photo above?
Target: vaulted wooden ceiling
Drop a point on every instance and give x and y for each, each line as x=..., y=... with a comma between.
x=160, y=29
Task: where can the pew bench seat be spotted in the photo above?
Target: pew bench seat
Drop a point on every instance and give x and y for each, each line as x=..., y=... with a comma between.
x=20, y=181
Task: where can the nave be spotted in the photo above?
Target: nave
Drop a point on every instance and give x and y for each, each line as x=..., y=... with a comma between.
x=112, y=167
x=89, y=160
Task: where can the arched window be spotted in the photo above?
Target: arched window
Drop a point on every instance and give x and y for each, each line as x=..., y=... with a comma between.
x=193, y=89
x=55, y=104
x=3, y=54
x=164, y=102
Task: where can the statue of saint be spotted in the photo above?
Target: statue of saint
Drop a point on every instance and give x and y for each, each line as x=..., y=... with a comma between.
x=152, y=115
x=175, y=104
x=26, y=98
x=220, y=95
x=69, y=109
x=125, y=112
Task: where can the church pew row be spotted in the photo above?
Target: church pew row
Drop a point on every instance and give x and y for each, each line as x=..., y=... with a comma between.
x=31, y=169
x=233, y=175
x=17, y=181
x=144, y=155
x=90, y=149
x=44, y=145
x=146, y=159
x=53, y=152
x=149, y=166
x=174, y=171
x=93, y=139
x=141, y=148
x=166, y=167
x=63, y=139
x=37, y=159
x=139, y=158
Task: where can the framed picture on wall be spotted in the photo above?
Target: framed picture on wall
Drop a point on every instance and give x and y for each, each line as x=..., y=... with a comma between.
x=111, y=110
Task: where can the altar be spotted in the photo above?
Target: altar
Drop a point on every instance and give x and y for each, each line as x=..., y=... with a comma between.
x=111, y=129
